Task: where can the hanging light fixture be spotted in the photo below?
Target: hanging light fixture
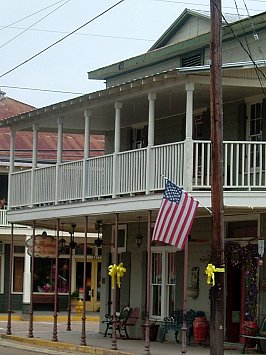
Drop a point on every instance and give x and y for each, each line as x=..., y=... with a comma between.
x=72, y=244
x=99, y=228
x=139, y=236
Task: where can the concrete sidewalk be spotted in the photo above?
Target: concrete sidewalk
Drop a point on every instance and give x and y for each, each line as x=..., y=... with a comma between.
x=69, y=341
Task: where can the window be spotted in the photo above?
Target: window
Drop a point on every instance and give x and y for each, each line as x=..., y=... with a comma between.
x=18, y=268
x=163, y=283
x=255, y=134
x=192, y=60
x=44, y=275
x=121, y=238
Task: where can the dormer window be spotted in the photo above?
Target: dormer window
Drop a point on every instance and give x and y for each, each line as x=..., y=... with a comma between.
x=192, y=59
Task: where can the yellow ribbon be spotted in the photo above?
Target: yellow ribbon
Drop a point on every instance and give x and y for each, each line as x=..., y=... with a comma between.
x=116, y=271
x=210, y=272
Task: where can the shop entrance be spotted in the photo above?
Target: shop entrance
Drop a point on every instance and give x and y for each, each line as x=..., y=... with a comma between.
x=93, y=283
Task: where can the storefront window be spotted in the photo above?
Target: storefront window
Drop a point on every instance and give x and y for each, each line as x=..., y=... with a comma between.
x=18, y=268
x=44, y=275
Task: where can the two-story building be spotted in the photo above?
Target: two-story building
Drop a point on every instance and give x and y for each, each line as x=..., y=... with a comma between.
x=155, y=116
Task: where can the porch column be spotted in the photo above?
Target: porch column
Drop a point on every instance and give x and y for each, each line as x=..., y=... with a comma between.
x=118, y=107
x=150, y=162
x=11, y=164
x=34, y=160
x=26, y=280
x=188, y=148
x=9, y=305
x=59, y=156
x=87, y=116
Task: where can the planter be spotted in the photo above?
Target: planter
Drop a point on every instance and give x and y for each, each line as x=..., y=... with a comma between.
x=200, y=327
x=153, y=331
x=250, y=328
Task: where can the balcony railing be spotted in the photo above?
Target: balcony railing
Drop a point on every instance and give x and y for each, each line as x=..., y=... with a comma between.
x=139, y=171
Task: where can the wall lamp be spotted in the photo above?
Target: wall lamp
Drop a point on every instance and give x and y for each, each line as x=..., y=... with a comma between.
x=139, y=236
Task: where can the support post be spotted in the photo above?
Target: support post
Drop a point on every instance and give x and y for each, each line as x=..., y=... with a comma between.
x=55, y=338
x=34, y=161
x=216, y=106
x=87, y=116
x=184, y=325
x=188, y=149
x=149, y=163
x=9, y=306
x=59, y=157
x=118, y=107
x=147, y=350
x=11, y=166
x=83, y=323
x=30, y=334
x=114, y=290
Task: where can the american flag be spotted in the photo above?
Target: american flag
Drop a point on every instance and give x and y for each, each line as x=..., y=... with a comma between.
x=175, y=217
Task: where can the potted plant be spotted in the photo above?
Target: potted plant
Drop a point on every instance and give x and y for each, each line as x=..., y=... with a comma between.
x=200, y=327
x=153, y=330
x=74, y=298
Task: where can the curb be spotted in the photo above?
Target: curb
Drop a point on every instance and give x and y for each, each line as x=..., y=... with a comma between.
x=50, y=318
x=64, y=346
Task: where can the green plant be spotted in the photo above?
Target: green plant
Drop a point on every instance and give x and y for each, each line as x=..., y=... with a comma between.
x=75, y=295
x=200, y=314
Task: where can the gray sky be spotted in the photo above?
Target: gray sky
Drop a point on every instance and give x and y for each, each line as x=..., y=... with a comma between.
x=127, y=30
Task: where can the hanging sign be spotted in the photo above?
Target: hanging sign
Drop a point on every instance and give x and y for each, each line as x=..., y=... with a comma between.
x=44, y=246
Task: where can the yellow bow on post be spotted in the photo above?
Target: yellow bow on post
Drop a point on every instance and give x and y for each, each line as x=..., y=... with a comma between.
x=112, y=273
x=210, y=272
x=120, y=272
x=116, y=271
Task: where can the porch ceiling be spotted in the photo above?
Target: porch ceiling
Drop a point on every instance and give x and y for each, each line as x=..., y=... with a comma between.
x=171, y=99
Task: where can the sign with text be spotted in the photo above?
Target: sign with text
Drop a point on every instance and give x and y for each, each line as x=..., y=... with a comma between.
x=44, y=246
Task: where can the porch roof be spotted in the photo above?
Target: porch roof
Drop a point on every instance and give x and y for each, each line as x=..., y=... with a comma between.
x=242, y=76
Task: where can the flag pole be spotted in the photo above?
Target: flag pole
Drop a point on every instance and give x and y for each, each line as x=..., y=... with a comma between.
x=206, y=208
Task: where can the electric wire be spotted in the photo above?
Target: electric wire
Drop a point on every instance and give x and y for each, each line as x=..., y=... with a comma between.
x=243, y=47
x=61, y=39
x=248, y=48
x=85, y=34
x=43, y=90
x=24, y=18
x=26, y=29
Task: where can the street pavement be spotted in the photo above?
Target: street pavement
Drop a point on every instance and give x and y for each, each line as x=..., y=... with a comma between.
x=69, y=341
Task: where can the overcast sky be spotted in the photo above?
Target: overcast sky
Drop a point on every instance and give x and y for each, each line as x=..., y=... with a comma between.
x=127, y=30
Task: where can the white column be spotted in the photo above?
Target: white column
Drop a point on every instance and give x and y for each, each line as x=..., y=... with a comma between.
x=116, y=174
x=26, y=276
x=87, y=116
x=150, y=162
x=34, y=160
x=188, y=149
x=11, y=164
x=59, y=155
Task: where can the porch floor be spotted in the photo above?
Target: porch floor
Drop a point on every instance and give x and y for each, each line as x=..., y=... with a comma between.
x=69, y=341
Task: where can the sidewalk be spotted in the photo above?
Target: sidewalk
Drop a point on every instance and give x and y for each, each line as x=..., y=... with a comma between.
x=96, y=342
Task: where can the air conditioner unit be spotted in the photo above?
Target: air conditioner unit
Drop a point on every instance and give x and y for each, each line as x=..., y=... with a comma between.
x=1, y=248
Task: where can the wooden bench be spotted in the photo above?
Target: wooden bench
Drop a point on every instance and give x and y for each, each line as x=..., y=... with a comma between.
x=43, y=298
x=127, y=318
x=124, y=314
x=175, y=323
x=254, y=336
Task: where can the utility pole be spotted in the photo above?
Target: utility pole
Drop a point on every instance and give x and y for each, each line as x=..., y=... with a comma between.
x=216, y=108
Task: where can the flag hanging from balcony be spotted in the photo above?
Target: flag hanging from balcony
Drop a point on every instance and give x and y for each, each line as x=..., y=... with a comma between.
x=175, y=217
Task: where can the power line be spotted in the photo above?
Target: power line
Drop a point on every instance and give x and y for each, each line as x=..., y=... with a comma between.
x=26, y=29
x=43, y=90
x=24, y=18
x=60, y=40
x=84, y=34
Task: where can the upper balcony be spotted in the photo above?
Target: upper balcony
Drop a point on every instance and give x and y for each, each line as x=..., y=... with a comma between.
x=94, y=178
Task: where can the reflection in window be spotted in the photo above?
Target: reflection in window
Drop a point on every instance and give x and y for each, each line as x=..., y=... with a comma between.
x=44, y=275
x=18, y=273
x=156, y=283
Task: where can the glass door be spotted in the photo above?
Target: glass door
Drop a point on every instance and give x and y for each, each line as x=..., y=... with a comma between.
x=93, y=283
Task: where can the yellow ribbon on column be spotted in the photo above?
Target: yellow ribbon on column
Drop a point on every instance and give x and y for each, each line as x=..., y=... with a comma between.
x=116, y=271
x=112, y=273
x=120, y=272
x=210, y=272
